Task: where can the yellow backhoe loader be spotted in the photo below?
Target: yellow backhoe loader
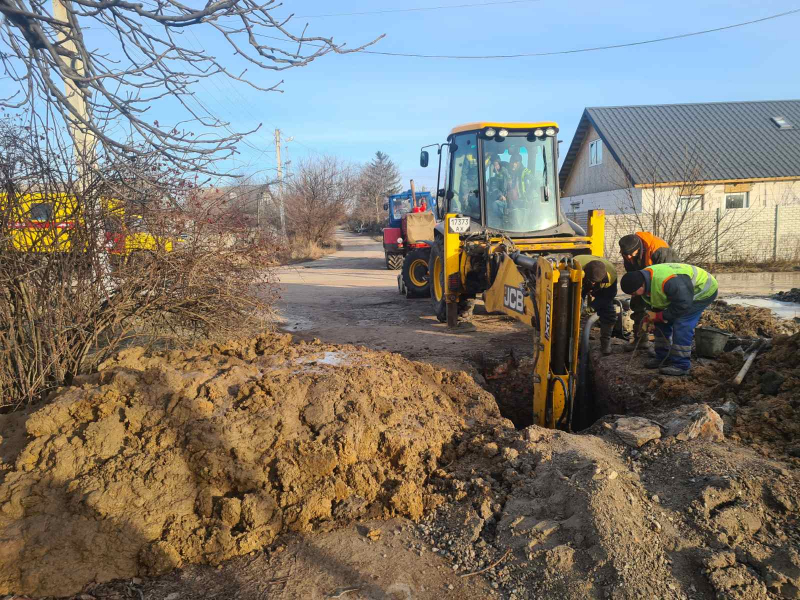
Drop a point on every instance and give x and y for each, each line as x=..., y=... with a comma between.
x=502, y=235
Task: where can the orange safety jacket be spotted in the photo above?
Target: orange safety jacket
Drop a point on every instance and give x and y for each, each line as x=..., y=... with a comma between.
x=650, y=244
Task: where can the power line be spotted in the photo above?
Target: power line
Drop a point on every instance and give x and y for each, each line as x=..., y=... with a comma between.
x=419, y=9
x=591, y=49
x=573, y=51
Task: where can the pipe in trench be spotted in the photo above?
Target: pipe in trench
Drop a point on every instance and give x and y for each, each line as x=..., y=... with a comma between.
x=583, y=364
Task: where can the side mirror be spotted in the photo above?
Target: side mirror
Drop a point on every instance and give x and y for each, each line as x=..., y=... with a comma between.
x=440, y=193
x=385, y=206
x=423, y=158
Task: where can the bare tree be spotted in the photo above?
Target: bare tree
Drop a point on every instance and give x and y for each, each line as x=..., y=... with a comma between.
x=317, y=198
x=118, y=58
x=671, y=204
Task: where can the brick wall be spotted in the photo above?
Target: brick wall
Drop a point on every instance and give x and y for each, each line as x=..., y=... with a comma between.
x=723, y=236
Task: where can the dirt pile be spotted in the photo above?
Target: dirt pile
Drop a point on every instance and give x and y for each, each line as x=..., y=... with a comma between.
x=746, y=321
x=202, y=455
x=553, y=515
x=768, y=413
x=792, y=295
x=764, y=412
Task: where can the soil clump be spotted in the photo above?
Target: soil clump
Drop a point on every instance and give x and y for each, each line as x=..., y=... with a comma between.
x=198, y=456
x=792, y=295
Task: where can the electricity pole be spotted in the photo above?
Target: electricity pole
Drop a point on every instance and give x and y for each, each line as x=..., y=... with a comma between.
x=280, y=179
x=83, y=139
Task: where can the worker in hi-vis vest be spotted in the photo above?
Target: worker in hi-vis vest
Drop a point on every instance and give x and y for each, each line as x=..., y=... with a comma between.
x=640, y=250
x=676, y=296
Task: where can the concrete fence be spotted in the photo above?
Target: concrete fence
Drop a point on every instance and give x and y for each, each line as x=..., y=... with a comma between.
x=754, y=234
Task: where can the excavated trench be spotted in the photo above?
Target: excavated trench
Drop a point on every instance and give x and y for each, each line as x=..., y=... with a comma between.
x=511, y=383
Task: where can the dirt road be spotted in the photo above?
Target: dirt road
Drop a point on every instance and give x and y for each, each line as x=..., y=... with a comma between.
x=350, y=297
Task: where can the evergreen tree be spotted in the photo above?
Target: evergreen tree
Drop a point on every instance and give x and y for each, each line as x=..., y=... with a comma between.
x=379, y=178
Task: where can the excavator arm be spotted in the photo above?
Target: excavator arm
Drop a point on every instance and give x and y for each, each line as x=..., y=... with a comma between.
x=545, y=292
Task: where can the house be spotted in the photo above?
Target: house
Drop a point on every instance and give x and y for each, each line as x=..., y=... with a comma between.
x=684, y=157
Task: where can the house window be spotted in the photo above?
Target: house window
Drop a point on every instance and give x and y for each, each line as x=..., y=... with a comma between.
x=596, y=152
x=690, y=203
x=740, y=200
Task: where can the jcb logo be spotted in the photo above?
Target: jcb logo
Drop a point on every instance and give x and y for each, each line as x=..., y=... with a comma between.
x=514, y=300
x=547, y=321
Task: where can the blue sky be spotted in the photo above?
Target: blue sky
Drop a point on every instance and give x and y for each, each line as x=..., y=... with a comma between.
x=353, y=105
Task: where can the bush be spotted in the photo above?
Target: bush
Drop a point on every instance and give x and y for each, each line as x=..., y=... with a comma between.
x=87, y=268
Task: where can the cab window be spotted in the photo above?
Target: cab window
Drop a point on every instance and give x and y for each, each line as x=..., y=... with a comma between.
x=41, y=211
x=464, y=194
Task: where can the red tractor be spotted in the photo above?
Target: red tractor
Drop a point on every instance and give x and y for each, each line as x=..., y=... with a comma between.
x=406, y=241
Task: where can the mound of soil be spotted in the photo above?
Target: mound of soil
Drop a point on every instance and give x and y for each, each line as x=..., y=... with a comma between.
x=202, y=455
x=792, y=295
x=746, y=321
x=764, y=412
x=554, y=515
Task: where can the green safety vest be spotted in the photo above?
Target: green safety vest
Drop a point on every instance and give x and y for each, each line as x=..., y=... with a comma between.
x=585, y=259
x=704, y=283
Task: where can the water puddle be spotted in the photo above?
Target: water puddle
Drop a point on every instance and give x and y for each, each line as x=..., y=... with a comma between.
x=784, y=310
x=757, y=284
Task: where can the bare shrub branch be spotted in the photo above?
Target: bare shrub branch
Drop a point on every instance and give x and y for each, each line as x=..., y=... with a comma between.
x=120, y=57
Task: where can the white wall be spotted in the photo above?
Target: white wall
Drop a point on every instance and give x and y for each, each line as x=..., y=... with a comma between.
x=613, y=201
x=757, y=234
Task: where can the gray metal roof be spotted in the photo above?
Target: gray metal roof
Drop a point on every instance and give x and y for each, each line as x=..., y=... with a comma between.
x=696, y=142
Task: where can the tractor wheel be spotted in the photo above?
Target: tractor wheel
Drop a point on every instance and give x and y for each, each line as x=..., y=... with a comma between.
x=436, y=278
x=415, y=273
x=394, y=262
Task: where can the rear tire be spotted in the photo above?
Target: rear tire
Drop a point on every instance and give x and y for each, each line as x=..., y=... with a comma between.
x=415, y=272
x=436, y=279
x=394, y=262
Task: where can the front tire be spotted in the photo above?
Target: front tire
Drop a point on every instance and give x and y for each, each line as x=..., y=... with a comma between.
x=415, y=272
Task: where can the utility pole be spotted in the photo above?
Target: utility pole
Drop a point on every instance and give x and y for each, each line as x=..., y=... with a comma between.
x=83, y=139
x=280, y=179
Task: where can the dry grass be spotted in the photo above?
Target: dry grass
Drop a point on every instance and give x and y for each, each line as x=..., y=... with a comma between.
x=298, y=251
x=743, y=266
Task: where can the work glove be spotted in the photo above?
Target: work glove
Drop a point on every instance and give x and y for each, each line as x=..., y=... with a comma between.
x=654, y=317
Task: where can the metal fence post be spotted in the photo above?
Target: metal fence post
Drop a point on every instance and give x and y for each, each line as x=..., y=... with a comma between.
x=775, y=235
x=716, y=237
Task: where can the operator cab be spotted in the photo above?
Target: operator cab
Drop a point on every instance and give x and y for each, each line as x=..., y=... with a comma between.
x=504, y=177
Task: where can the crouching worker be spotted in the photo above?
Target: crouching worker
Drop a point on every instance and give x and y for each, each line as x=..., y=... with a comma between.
x=676, y=295
x=600, y=284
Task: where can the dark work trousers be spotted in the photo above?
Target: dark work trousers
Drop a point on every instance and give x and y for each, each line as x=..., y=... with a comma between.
x=602, y=302
x=681, y=333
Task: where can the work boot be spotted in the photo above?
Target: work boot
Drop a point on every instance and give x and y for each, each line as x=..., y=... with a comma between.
x=653, y=363
x=673, y=371
x=605, y=337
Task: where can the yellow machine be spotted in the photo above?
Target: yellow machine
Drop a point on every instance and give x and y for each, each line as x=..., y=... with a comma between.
x=46, y=223
x=502, y=235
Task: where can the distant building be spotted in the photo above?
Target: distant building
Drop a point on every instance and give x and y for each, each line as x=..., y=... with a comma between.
x=693, y=157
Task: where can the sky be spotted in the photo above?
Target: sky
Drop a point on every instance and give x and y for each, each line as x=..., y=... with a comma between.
x=353, y=105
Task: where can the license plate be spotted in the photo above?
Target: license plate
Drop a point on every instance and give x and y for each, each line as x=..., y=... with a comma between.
x=459, y=224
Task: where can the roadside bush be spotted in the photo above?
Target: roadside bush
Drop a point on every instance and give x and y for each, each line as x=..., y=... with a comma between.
x=89, y=265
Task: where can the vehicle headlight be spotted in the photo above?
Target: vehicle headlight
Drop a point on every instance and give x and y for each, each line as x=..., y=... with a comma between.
x=490, y=132
x=539, y=132
x=502, y=133
x=550, y=131
x=399, y=240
